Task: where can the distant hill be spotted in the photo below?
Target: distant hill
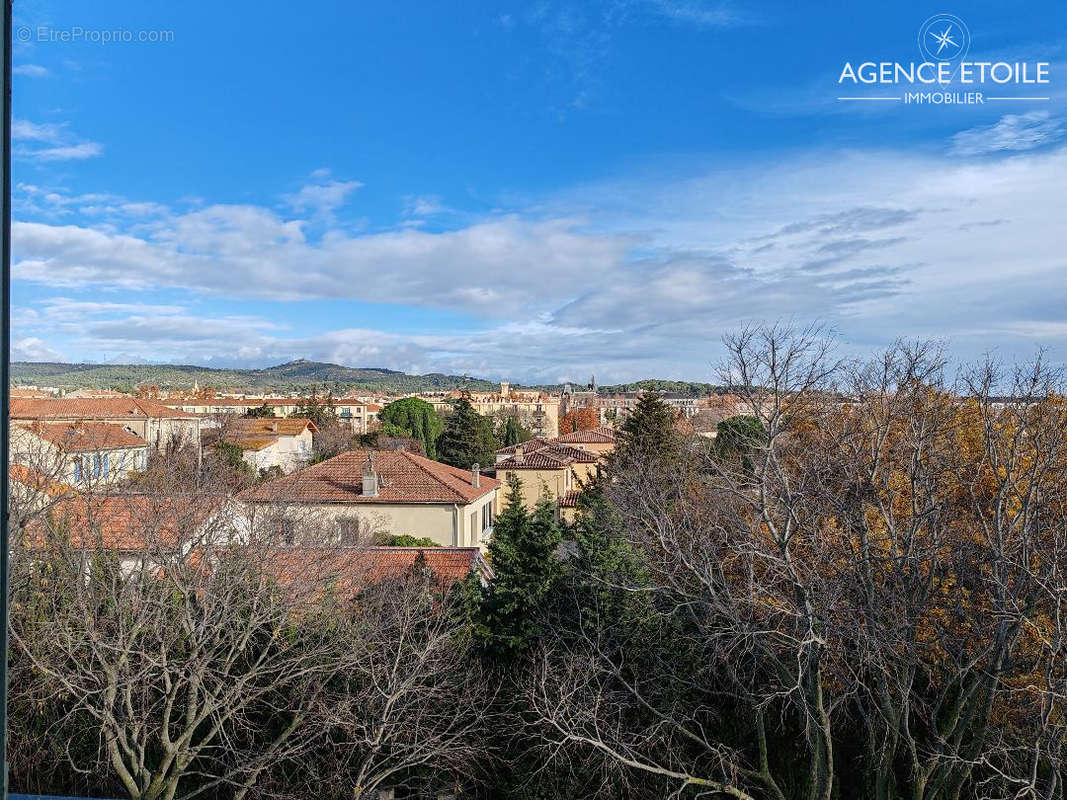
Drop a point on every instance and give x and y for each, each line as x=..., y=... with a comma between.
x=295, y=376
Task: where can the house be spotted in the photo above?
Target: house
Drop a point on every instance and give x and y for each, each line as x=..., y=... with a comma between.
x=547, y=466
x=267, y=442
x=396, y=491
x=136, y=528
x=160, y=426
x=80, y=453
x=596, y=440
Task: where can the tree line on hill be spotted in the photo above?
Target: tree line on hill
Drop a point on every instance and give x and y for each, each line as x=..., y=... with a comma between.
x=829, y=600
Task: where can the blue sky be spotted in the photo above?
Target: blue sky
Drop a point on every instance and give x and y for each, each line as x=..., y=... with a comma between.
x=528, y=190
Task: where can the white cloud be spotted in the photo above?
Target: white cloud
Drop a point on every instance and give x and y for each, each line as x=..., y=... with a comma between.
x=700, y=14
x=323, y=197
x=64, y=147
x=33, y=349
x=73, y=152
x=626, y=278
x=1011, y=133
x=30, y=70
x=36, y=131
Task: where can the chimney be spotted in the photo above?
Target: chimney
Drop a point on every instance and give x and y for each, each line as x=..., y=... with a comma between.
x=274, y=427
x=476, y=475
x=370, y=478
x=520, y=454
x=505, y=388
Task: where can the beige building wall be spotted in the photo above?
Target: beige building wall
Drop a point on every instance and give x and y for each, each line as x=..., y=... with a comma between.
x=90, y=468
x=446, y=524
x=536, y=481
x=287, y=452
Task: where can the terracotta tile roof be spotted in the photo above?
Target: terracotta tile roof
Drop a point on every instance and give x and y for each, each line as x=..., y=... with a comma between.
x=256, y=433
x=547, y=455
x=86, y=437
x=126, y=522
x=265, y=426
x=253, y=442
x=569, y=499
x=601, y=435
x=35, y=480
x=351, y=568
x=528, y=446
x=403, y=478
x=92, y=408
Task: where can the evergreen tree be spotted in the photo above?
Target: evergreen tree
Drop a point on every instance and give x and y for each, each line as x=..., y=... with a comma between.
x=414, y=418
x=515, y=432
x=262, y=411
x=525, y=567
x=467, y=437
x=648, y=436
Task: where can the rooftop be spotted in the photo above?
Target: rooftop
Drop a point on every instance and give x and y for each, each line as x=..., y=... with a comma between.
x=542, y=454
x=92, y=408
x=351, y=568
x=600, y=435
x=403, y=477
x=86, y=437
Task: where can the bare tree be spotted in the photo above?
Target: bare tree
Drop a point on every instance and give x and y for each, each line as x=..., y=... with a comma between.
x=878, y=582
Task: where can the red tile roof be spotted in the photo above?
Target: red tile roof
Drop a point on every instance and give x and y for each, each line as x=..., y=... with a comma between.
x=37, y=481
x=545, y=455
x=601, y=435
x=569, y=499
x=403, y=478
x=92, y=408
x=126, y=522
x=351, y=568
x=86, y=437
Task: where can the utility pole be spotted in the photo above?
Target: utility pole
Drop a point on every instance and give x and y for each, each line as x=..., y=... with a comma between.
x=5, y=380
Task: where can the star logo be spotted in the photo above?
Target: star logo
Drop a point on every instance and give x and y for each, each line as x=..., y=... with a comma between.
x=944, y=37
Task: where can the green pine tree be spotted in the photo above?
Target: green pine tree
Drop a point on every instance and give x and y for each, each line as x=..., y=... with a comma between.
x=525, y=567
x=648, y=436
x=467, y=438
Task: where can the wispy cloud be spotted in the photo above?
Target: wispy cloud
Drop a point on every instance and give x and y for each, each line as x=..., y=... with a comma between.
x=30, y=70
x=70, y=152
x=701, y=14
x=23, y=129
x=65, y=146
x=323, y=196
x=1011, y=133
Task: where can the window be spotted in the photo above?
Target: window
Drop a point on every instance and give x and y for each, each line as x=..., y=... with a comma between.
x=105, y=462
x=96, y=465
x=285, y=532
x=474, y=522
x=77, y=468
x=348, y=531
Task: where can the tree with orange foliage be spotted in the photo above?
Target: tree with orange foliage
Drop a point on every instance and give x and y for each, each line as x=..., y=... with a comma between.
x=583, y=418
